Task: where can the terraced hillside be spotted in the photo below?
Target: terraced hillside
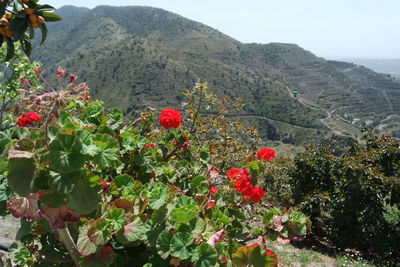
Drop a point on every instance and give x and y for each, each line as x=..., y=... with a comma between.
x=133, y=57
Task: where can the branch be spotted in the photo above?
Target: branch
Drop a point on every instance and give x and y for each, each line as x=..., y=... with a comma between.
x=69, y=243
x=46, y=124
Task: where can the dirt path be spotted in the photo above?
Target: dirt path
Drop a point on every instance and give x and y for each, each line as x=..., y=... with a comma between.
x=328, y=113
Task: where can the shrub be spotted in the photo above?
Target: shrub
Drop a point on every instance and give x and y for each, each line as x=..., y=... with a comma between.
x=354, y=195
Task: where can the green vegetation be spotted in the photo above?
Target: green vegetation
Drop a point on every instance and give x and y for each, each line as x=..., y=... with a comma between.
x=353, y=198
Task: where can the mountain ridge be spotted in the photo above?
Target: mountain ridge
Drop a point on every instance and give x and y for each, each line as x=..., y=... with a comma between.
x=147, y=56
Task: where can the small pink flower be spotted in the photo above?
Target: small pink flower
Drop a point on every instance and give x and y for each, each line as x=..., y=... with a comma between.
x=38, y=70
x=216, y=237
x=60, y=73
x=210, y=204
x=72, y=78
x=24, y=81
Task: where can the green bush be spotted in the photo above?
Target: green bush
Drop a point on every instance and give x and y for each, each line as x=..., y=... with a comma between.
x=353, y=196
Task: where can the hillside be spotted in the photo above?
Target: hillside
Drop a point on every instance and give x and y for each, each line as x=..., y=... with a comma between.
x=133, y=57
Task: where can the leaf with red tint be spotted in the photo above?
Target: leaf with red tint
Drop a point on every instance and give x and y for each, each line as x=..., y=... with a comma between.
x=102, y=258
x=121, y=203
x=25, y=207
x=58, y=216
x=251, y=255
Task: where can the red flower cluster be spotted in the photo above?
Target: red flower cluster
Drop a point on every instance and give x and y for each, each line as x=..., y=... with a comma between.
x=243, y=184
x=149, y=146
x=170, y=118
x=28, y=118
x=266, y=153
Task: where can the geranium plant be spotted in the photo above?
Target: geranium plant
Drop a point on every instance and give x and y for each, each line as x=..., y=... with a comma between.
x=94, y=190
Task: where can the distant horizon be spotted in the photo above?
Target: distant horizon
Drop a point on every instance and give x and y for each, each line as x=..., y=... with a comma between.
x=333, y=29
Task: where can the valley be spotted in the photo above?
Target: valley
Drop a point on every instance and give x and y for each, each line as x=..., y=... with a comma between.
x=139, y=56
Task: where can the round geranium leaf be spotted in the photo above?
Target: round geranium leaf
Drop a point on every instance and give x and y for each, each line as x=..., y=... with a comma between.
x=84, y=245
x=65, y=153
x=182, y=215
x=85, y=196
x=206, y=255
x=99, y=232
x=132, y=232
x=158, y=197
x=163, y=244
x=181, y=245
x=64, y=182
x=21, y=169
x=108, y=150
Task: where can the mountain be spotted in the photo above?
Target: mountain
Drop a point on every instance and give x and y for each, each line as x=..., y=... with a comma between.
x=133, y=57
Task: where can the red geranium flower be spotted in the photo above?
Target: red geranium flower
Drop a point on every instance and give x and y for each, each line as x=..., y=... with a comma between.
x=213, y=190
x=266, y=153
x=234, y=174
x=243, y=185
x=149, y=146
x=257, y=194
x=28, y=118
x=170, y=118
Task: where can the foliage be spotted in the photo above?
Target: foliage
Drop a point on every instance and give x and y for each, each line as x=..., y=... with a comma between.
x=19, y=17
x=353, y=196
x=12, y=71
x=92, y=189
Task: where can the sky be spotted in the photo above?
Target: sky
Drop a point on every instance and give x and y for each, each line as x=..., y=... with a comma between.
x=334, y=29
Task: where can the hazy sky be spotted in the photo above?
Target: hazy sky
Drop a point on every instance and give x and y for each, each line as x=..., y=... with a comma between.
x=328, y=28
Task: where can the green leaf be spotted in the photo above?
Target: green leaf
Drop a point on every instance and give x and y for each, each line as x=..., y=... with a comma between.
x=85, y=196
x=31, y=31
x=241, y=257
x=300, y=229
x=181, y=245
x=185, y=210
x=99, y=232
x=123, y=180
x=116, y=218
x=132, y=232
x=158, y=197
x=108, y=150
x=64, y=183
x=26, y=46
x=206, y=255
x=10, y=49
x=198, y=225
x=88, y=148
x=182, y=215
x=55, y=199
x=130, y=142
x=4, y=192
x=84, y=245
x=298, y=217
x=153, y=231
x=18, y=27
x=45, y=7
x=50, y=17
x=21, y=169
x=253, y=256
x=65, y=153
x=163, y=244
x=43, y=28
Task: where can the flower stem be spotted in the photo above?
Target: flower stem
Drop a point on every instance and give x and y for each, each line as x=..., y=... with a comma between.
x=69, y=243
